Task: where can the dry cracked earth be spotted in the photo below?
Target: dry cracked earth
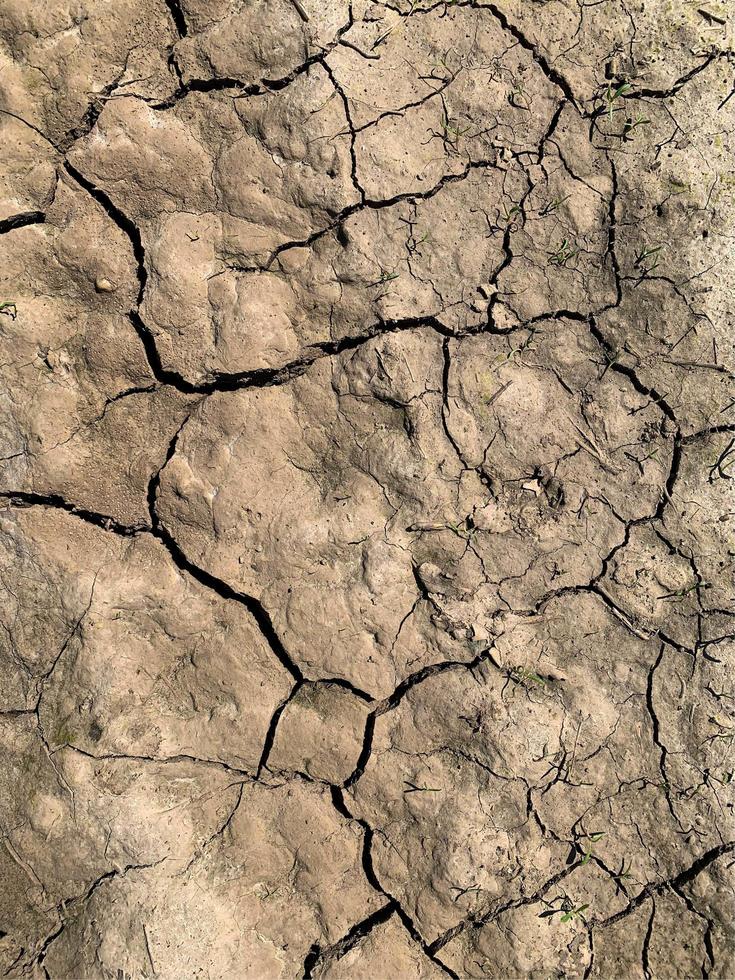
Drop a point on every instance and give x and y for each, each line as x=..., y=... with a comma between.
x=367, y=433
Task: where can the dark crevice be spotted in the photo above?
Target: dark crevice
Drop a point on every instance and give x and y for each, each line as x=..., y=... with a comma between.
x=549, y=71
x=479, y=920
x=23, y=499
x=217, y=585
x=645, y=950
x=348, y=941
x=689, y=874
x=177, y=16
x=249, y=89
x=273, y=726
x=267, y=377
x=123, y=222
x=369, y=870
x=21, y=221
x=389, y=703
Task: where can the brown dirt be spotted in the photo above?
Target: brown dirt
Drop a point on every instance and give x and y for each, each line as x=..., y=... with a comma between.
x=367, y=432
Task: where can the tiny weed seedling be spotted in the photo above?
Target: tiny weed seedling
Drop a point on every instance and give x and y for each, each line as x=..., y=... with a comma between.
x=564, y=254
x=9, y=309
x=511, y=213
x=451, y=131
x=632, y=123
x=642, y=260
x=553, y=205
x=589, y=852
x=680, y=593
x=413, y=788
x=521, y=675
x=622, y=875
x=614, y=95
x=567, y=910
x=384, y=277
x=575, y=913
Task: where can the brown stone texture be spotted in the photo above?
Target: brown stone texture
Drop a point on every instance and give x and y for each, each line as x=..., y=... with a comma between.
x=367, y=445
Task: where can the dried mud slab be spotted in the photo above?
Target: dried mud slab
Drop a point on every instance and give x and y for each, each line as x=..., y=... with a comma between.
x=366, y=489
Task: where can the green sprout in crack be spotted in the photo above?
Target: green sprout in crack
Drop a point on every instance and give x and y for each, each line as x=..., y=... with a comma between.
x=575, y=913
x=567, y=910
x=623, y=874
x=518, y=98
x=9, y=309
x=646, y=253
x=451, y=131
x=679, y=593
x=565, y=253
x=384, y=277
x=588, y=851
x=413, y=788
x=521, y=675
x=553, y=205
x=511, y=213
x=632, y=123
x=613, y=95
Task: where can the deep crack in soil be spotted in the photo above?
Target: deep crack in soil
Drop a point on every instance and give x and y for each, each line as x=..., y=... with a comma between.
x=367, y=437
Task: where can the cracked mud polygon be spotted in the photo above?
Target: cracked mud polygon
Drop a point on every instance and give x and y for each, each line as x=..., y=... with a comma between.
x=367, y=432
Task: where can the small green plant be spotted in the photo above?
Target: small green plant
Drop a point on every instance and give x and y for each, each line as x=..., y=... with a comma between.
x=613, y=95
x=521, y=675
x=682, y=592
x=624, y=873
x=413, y=788
x=589, y=852
x=646, y=253
x=451, y=131
x=575, y=913
x=553, y=205
x=632, y=123
x=384, y=277
x=567, y=910
x=511, y=213
x=9, y=309
x=564, y=253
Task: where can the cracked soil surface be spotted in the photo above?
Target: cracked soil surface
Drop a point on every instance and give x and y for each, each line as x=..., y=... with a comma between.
x=367, y=431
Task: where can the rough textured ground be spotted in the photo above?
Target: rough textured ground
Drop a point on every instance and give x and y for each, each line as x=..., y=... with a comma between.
x=367, y=433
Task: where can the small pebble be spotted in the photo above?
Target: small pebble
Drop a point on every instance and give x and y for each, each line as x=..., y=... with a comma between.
x=103, y=285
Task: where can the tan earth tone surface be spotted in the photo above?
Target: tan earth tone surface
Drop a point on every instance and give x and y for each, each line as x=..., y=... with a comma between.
x=367, y=443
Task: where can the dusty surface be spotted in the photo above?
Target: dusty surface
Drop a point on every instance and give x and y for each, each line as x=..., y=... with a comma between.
x=367, y=430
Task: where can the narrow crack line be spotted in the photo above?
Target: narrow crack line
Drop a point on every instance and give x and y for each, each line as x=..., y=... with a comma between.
x=267, y=377
x=549, y=71
x=689, y=874
x=23, y=499
x=250, y=89
x=708, y=962
x=42, y=953
x=159, y=760
x=657, y=93
x=402, y=689
x=21, y=221
x=270, y=735
x=340, y=806
x=178, y=17
x=210, y=581
x=123, y=222
x=645, y=949
x=612, y=231
x=351, y=127
x=479, y=920
x=656, y=734
x=318, y=956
